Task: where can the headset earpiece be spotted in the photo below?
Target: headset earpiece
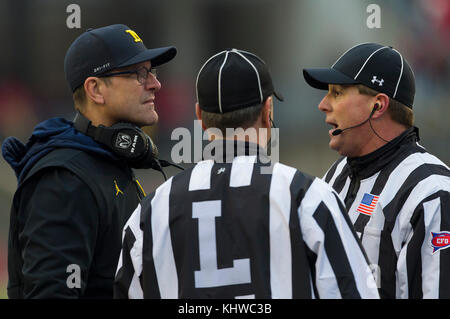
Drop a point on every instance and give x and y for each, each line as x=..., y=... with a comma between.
x=126, y=140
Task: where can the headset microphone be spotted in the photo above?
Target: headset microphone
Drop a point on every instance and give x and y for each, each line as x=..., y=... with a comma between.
x=339, y=131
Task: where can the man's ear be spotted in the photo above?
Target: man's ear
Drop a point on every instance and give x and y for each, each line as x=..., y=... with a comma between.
x=198, y=113
x=94, y=90
x=266, y=113
x=381, y=104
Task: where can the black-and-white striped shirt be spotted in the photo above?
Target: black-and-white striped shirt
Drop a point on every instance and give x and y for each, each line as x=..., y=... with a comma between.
x=226, y=230
x=398, y=201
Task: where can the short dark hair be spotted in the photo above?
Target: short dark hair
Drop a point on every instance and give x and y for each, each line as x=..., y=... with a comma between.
x=243, y=118
x=399, y=112
x=79, y=95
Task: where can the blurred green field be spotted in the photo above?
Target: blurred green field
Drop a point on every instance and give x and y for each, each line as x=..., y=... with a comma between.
x=3, y=269
x=3, y=294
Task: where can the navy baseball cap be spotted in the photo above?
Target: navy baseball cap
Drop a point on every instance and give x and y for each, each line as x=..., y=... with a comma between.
x=376, y=66
x=98, y=51
x=231, y=80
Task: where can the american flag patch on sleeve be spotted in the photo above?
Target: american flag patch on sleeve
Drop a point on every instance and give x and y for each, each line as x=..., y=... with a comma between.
x=368, y=204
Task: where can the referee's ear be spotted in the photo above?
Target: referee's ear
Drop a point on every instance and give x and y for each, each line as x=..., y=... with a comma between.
x=266, y=113
x=198, y=113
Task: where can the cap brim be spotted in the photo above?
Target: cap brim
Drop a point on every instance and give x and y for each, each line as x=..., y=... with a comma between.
x=157, y=56
x=320, y=78
x=278, y=96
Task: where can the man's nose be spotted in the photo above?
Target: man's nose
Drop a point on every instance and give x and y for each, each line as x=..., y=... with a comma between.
x=324, y=106
x=152, y=83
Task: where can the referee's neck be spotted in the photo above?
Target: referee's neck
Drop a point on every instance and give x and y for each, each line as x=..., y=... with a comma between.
x=249, y=135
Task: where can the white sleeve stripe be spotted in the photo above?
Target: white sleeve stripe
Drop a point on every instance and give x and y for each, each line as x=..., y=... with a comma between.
x=365, y=282
x=418, y=194
x=135, y=290
x=314, y=236
x=163, y=254
x=431, y=262
x=119, y=263
x=280, y=238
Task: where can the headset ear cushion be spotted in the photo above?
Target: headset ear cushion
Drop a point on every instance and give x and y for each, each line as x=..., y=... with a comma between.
x=129, y=141
x=150, y=158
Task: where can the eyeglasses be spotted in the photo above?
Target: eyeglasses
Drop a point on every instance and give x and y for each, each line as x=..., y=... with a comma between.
x=141, y=73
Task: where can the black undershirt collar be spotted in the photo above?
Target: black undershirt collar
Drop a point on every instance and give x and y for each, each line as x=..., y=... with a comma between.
x=367, y=165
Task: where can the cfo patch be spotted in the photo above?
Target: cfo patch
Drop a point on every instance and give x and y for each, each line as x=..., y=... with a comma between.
x=440, y=240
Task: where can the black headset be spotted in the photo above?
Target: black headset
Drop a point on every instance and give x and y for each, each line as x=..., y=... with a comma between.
x=126, y=140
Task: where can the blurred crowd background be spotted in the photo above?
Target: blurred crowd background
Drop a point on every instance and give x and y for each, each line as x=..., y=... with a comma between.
x=288, y=34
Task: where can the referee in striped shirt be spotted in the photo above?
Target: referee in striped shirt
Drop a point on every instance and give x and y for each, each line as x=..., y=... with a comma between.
x=226, y=228
x=396, y=193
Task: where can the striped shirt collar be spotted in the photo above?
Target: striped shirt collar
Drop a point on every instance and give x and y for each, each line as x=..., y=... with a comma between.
x=224, y=151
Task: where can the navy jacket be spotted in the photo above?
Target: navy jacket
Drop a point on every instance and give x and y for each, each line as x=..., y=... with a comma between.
x=72, y=201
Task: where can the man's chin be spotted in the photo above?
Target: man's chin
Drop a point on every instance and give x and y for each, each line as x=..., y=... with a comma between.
x=147, y=122
x=335, y=146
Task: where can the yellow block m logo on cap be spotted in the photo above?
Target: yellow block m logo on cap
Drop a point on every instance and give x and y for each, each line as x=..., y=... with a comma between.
x=134, y=35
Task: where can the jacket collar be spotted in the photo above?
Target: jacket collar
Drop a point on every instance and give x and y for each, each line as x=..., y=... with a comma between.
x=49, y=135
x=367, y=165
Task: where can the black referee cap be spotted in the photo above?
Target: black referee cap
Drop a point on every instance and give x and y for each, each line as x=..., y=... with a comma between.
x=98, y=51
x=379, y=67
x=233, y=79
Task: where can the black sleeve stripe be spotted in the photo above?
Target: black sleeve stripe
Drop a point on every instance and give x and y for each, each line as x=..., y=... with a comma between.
x=312, y=258
x=387, y=263
x=361, y=222
x=148, y=279
x=125, y=273
x=444, y=284
x=413, y=255
x=350, y=226
x=336, y=253
x=387, y=256
x=301, y=274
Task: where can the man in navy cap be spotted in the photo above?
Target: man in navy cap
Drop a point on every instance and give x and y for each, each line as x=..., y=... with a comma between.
x=76, y=187
x=396, y=193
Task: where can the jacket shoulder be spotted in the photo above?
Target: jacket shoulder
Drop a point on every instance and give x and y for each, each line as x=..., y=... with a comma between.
x=81, y=163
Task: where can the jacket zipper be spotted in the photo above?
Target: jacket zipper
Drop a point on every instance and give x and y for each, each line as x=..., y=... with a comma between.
x=140, y=190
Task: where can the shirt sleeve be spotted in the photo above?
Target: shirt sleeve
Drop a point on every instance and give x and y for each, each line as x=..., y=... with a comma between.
x=339, y=265
x=424, y=258
x=58, y=229
x=127, y=283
